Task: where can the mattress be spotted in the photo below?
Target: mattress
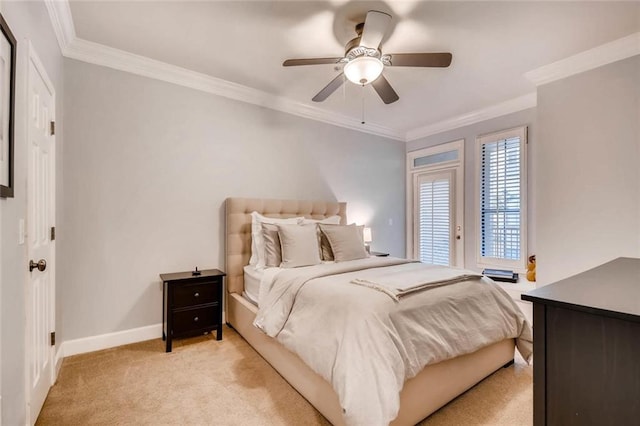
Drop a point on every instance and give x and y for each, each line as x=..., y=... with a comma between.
x=252, y=277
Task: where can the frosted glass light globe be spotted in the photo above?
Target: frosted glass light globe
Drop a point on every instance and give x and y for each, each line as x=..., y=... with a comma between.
x=363, y=70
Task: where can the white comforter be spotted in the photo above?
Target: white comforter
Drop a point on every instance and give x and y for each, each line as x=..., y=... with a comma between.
x=366, y=344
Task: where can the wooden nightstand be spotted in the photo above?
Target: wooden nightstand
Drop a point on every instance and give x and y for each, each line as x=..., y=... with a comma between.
x=192, y=304
x=379, y=254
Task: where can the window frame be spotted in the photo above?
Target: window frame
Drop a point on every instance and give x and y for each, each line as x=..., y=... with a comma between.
x=493, y=262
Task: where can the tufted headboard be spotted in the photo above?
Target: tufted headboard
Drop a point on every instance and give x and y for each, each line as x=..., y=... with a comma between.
x=238, y=227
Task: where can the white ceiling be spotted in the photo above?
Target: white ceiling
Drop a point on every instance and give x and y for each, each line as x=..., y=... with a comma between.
x=493, y=45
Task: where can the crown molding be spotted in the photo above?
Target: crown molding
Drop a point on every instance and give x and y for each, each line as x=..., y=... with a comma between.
x=83, y=50
x=607, y=53
x=99, y=54
x=507, y=107
x=62, y=22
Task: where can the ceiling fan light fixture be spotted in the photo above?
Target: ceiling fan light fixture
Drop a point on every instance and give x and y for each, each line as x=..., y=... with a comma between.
x=363, y=70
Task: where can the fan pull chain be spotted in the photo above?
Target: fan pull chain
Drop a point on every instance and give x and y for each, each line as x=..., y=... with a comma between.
x=363, y=105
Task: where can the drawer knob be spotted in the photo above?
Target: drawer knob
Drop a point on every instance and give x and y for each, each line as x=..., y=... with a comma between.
x=196, y=319
x=196, y=295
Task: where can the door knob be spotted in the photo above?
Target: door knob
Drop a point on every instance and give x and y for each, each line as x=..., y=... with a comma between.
x=41, y=265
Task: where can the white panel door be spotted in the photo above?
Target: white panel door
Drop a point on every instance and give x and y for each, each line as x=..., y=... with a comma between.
x=41, y=249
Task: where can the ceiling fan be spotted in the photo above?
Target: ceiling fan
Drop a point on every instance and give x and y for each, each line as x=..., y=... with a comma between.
x=364, y=62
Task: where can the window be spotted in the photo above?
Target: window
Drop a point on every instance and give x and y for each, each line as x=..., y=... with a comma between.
x=502, y=199
x=435, y=203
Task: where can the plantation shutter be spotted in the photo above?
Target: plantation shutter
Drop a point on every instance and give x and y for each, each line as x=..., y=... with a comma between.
x=500, y=199
x=434, y=219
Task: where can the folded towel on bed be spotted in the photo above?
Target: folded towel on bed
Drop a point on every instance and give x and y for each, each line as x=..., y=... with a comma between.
x=402, y=283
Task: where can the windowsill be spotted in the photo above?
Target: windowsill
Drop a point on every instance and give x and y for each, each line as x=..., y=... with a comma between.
x=520, y=268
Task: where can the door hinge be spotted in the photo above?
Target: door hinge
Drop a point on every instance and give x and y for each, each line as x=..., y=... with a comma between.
x=53, y=128
x=53, y=233
x=53, y=338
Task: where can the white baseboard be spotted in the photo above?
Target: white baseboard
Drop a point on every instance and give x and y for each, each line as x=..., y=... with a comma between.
x=58, y=361
x=109, y=340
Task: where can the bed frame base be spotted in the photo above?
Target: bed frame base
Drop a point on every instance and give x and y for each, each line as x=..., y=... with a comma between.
x=432, y=388
x=508, y=364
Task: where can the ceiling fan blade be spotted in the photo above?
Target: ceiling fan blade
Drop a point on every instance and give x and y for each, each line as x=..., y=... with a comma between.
x=375, y=27
x=384, y=90
x=329, y=88
x=311, y=61
x=421, y=59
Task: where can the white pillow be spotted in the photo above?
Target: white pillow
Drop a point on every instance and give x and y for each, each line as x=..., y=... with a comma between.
x=257, y=240
x=331, y=220
x=299, y=245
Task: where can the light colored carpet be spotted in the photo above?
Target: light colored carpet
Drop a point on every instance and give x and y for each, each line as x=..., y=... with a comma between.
x=206, y=382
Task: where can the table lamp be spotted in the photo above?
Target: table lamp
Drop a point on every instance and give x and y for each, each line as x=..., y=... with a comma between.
x=367, y=239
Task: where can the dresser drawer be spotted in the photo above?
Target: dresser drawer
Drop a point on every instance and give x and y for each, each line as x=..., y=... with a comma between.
x=194, y=319
x=195, y=294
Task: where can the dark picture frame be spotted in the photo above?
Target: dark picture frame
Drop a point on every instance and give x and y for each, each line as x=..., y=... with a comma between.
x=7, y=108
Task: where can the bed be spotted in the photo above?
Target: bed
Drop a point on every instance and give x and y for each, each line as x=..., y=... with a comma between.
x=418, y=397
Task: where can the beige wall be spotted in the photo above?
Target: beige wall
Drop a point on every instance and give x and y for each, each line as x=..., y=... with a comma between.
x=588, y=188
x=147, y=168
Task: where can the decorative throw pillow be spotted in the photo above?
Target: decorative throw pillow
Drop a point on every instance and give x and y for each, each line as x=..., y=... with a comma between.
x=299, y=245
x=325, y=248
x=347, y=242
x=272, y=249
x=257, y=241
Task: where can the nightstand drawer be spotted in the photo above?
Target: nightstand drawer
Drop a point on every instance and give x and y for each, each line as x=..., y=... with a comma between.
x=196, y=294
x=193, y=319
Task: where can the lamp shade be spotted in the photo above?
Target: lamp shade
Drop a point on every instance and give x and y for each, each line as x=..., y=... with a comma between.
x=367, y=235
x=363, y=70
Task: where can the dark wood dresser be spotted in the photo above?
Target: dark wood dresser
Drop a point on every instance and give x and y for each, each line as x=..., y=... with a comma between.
x=192, y=304
x=586, y=347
